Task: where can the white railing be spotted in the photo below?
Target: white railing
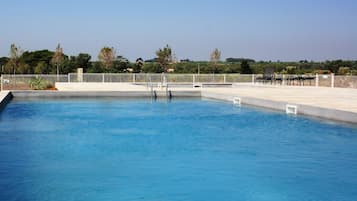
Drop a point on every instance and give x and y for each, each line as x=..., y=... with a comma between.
x=22, y=82
x=157, y=78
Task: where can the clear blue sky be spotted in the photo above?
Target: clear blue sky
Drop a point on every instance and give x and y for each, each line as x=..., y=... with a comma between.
x=260, y=29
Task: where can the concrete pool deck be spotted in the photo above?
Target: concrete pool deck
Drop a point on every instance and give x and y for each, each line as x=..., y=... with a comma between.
x=336, y=98
x=339, y=104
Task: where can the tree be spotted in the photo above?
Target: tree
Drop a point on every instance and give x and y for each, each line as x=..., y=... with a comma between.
x=24, y=68
x=164, y=57
x=71, y=63
x=152, y=68
x=58, y=58
x=245, y=67
x=3, y=62
x=107, y=56
x=215, y=56
x=239, y=60
x=344, y=71
x=40, y=68
x=333, y=66
x=83, y=61
x=96, y=67
x=139, y=63
x=15, y=55
x=36, y=57
x=120, y=65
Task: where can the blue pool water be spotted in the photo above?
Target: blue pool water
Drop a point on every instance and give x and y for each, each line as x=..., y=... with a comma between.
x=186, y=150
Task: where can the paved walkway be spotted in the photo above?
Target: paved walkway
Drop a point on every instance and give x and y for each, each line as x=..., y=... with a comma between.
x=332, y=98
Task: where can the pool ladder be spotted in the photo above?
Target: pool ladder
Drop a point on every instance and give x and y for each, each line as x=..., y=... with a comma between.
x=168, y=93
x=153, y=93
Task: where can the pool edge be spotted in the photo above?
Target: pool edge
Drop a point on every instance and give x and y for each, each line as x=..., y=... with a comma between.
x=307, y=110
x=98, y=94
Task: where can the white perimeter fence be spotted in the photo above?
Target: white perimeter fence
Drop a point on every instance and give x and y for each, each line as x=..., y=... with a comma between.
x=23, y=82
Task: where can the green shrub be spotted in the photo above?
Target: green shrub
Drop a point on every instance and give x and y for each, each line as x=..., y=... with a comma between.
x=39, y=84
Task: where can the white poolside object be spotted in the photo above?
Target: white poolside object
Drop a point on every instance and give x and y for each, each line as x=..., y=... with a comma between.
x=237, y=101
x=291, y=109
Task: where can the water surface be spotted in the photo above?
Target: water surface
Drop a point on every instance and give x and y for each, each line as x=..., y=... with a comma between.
x=107, y=149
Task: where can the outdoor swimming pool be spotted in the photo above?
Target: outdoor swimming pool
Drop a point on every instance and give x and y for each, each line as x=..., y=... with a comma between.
x=196, y=150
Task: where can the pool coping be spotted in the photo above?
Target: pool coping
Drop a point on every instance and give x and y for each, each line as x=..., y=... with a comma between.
x=314, y=111
x=98, y=94
x=5, y=97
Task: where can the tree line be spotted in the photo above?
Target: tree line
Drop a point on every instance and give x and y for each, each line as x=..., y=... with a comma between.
x=108, y=61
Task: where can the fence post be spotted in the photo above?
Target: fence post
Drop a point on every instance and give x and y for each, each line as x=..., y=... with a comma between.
x=103, y=78
x=69, y=77
x=253, y=78
x=283, y=79
x=224, y=78
x=193, y=79
x=317, y=80
x=332, y=80
x=1, y=80
x=15, y=85
x=134, y=77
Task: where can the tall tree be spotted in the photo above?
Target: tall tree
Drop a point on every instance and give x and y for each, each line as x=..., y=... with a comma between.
x=164, y=57
x=107, y=56
x=58, y=58
x=215, y=58
x=15, y=55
